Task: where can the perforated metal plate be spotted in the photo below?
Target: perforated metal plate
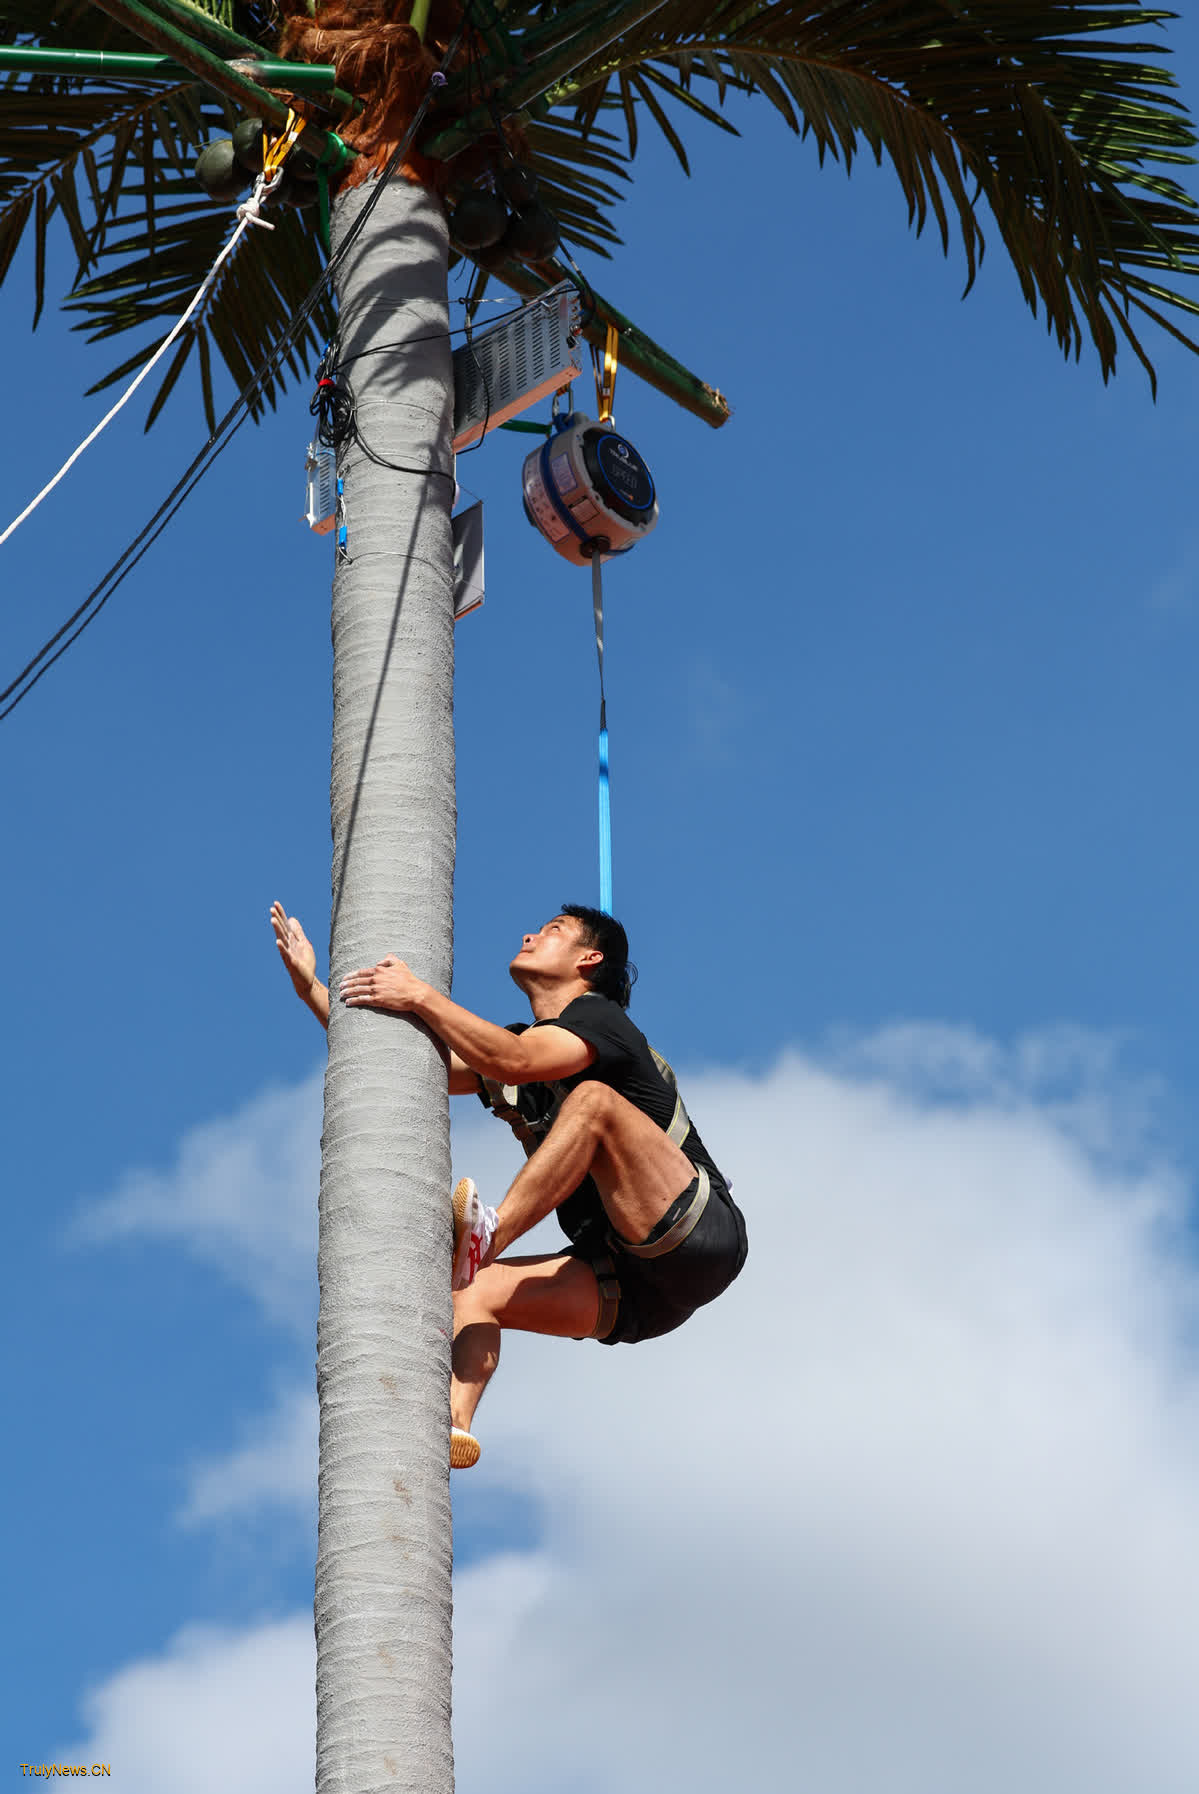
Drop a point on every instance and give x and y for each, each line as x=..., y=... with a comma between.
x=528, y=357
x=321, y=469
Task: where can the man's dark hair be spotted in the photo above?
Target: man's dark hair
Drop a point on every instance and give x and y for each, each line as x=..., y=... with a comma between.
x=615, y=975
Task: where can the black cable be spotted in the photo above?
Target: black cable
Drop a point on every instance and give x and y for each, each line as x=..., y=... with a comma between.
x=479, y=277
x=424, y=473
x=581, y=285
x=149, y=535
x=225, y=429
x=433, y=336
x=333, y=406
x=479, y=369
x=141, y=544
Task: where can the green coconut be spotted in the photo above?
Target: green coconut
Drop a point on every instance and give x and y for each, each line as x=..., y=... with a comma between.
x=532, y=235
x=478, y=220
x=491, y=258
x=218, y=172
x=247, y=144
x=518, y=185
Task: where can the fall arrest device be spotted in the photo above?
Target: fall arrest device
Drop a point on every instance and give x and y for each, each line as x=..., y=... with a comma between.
x=588, y=491
x=590, y=494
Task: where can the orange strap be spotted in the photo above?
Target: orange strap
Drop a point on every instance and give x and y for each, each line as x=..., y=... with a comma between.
x=605, y=381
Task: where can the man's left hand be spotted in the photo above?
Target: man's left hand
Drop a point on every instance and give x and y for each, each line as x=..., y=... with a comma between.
x=389, y=985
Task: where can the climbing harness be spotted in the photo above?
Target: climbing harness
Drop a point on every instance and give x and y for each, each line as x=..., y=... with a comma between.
x=589, y=493
x=530, y=1110
x=249, y=212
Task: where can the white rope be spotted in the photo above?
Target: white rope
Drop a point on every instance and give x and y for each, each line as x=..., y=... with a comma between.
x=248, y=213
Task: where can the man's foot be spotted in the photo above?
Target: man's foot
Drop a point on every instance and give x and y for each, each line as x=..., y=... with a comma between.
x=464, y=1449
x=474, y=1230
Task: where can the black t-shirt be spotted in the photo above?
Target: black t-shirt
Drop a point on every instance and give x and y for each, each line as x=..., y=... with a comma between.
x=626, y=1062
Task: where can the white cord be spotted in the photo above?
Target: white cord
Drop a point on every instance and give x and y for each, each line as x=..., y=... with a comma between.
x=248, y=213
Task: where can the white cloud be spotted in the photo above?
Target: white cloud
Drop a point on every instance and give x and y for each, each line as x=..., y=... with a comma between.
x=275, y=1467
x=1176, y=586
x=910, y=1510
x=218, y=1710
x=913, y=1506
x=717, y=713
x=241, y=1195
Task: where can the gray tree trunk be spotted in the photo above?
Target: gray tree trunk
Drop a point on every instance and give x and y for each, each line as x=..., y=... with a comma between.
x=383, y=1603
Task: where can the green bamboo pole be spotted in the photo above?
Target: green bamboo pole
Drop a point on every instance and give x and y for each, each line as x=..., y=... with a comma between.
x=230, y=46
x=170, y=41
x=534, y=82
x=203, y=25
x=125, y=65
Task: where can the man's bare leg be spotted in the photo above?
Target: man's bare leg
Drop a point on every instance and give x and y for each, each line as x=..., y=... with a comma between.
x=547, y=1294
x=638, y=1171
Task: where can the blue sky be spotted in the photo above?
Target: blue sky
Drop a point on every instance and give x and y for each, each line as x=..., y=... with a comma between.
x=903, y=730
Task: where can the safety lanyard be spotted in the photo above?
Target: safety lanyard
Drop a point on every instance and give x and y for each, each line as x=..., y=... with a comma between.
x=605, y=374
x=275, y=152
x=605, y=387
x=605, y=806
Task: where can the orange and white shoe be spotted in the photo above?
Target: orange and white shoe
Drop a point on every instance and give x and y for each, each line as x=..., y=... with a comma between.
x=474, y=1230
x=464, y=1449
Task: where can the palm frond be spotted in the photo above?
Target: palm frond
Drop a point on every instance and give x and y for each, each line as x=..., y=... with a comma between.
x=259, y=290
x=112, y=161
x=220, y=10
x=571, y=164
x=1039, y=107
x=66, y=154
x=1050, y=117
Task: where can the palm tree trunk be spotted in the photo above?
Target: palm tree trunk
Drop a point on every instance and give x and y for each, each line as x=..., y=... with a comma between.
x=383, y=1605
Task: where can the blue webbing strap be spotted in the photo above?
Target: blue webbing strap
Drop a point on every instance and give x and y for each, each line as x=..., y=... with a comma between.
x=605, y=808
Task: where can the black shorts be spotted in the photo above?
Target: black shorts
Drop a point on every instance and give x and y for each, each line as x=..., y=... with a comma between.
x=693, y=1253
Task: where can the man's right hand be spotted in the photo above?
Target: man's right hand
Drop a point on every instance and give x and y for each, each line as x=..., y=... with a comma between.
x=295, y=950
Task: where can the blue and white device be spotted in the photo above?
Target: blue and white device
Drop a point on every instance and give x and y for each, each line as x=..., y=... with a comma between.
x=588, y=491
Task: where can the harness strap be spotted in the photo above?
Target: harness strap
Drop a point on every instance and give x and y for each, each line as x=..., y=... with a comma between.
x=680, y=1121
x=678, y=1232
x=605, y=373
x=275, y=152
x=609, y=1294
x=501, y=1099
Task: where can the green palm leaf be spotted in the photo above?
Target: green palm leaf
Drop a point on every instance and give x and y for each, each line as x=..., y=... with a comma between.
x=50, y=139
x=1046, y=120
x=112, y=160
x=1035, y=106
x=260, y=288
x=572, y=163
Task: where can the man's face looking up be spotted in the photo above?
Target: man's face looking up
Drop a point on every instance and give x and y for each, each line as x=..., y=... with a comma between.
x=554, y=951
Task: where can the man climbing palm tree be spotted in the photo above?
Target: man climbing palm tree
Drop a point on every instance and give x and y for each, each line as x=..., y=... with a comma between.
x=654, y=1231
x=1050, y=127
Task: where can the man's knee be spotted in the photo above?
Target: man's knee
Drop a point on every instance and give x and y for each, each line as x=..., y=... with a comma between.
x=593, y=1103
x=476, y=1302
